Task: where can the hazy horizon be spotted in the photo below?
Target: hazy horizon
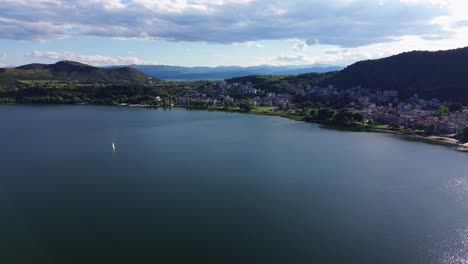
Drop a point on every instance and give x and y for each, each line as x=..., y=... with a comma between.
x=298, y=66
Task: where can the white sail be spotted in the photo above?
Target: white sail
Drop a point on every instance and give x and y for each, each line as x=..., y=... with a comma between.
x=113, y=145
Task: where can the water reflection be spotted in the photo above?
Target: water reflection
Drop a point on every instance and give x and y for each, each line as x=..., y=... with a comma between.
x=245, y=188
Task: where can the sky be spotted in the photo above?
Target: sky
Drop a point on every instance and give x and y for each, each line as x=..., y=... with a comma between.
x=225, y=32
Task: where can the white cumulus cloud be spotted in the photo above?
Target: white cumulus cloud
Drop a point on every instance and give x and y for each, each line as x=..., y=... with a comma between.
x=98, y=60
x=336, y=22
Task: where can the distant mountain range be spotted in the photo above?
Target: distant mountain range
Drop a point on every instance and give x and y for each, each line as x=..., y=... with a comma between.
x=223, y=72
x=71, y=71
x=442, y=74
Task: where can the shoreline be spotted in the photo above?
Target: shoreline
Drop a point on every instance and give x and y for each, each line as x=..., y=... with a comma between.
x=438, y=140
x=446, y=141
x=453, y=143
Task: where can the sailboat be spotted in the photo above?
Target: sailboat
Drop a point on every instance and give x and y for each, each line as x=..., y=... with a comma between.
x=113, y=146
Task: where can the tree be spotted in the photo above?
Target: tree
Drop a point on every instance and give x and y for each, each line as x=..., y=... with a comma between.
x=325, y=114
x=358, y=117
x=307, y=104
x=429, y=129
x=343, y=117
x=76, y=100
x=245, y=107
x=312, y=113
x=59, y=100
x=464, y=138
x=394, y=125
x=443, y=110
x=371, y=123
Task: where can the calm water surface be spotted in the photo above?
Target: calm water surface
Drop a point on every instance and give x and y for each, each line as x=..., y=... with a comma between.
x=212, y=187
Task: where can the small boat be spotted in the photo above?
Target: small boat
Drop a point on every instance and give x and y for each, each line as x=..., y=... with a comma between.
x=113, y=146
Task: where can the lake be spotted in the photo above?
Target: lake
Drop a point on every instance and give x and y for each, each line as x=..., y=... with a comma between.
x=213, y=187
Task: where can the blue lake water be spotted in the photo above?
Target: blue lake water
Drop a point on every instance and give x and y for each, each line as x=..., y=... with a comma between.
x=212, y=187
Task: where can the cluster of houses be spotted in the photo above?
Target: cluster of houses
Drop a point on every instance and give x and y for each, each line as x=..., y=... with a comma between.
x=415, y=118
x=220, y=93
x=200, y=98
x=386, y=107
x=383, y=106
x=414, y=113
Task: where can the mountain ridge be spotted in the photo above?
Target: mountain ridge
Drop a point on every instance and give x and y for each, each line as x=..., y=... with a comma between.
x=442, y=73
x=72, y=71
x=169, y=72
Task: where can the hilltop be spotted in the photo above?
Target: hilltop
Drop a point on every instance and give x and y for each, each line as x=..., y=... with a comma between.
x=71, y=71
x=442, y=74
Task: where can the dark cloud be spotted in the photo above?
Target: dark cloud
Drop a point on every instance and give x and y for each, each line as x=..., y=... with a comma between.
x=337, y=22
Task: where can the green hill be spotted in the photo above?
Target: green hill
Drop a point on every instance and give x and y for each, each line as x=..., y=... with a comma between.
x=71, y=71
x=442, y=74
x=275, y=82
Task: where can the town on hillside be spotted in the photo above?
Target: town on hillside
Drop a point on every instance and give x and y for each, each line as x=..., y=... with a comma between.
x=382, y=106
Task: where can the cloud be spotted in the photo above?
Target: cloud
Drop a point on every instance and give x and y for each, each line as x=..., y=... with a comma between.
x=335, y=55
x=254, y=44
x=292, y=58
x=298, y=54
x=336, y=22
x=98, y=60
x=300, y=46
x=345, y=56
x=463, y=23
